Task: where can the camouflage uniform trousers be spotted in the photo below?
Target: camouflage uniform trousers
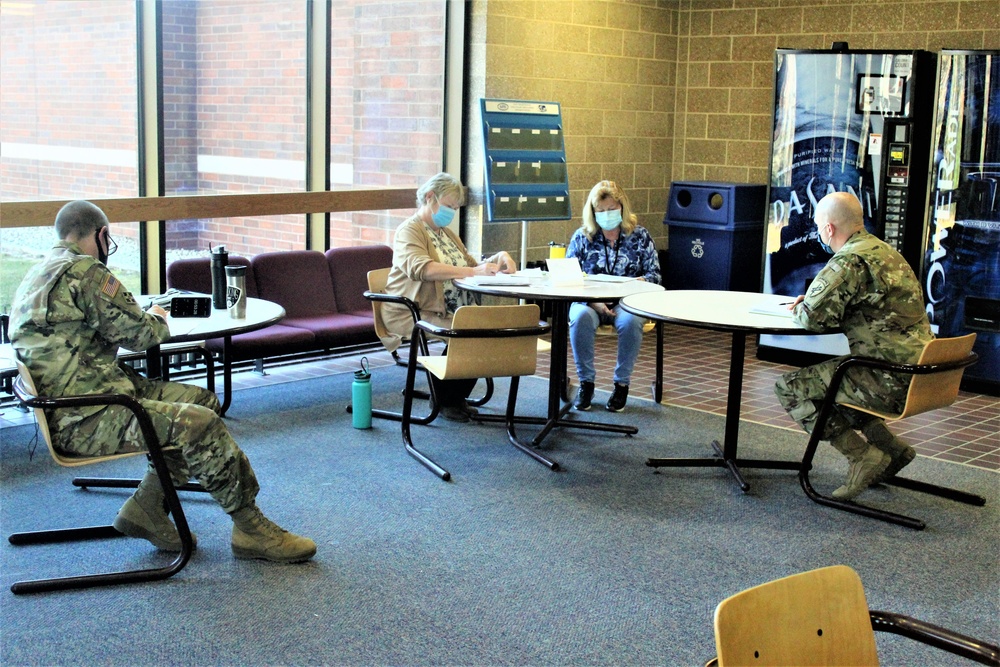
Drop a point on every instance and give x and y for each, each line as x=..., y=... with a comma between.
x=195, y=441
x=801, y=393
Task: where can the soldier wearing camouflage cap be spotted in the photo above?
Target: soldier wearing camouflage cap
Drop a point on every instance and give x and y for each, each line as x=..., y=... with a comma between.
x=70, y=316
x=868, y=291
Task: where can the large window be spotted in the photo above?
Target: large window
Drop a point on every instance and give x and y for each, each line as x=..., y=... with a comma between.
x=235, y=111
x=386, y=104
x=68, y=110
x=234, y=116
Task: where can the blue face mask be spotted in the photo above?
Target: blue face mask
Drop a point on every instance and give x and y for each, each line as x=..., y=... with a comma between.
x=608, y=220
x=825, y=246
x=444, y=216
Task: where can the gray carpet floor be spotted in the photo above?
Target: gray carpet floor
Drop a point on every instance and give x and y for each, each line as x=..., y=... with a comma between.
x=606, y=562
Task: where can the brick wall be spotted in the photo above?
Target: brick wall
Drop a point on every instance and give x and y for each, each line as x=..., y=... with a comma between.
x=77, y=91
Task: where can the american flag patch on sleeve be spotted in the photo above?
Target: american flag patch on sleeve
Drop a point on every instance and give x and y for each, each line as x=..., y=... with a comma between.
x=111, y=286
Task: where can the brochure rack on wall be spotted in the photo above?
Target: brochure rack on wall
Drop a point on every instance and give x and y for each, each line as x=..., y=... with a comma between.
x=525, y=163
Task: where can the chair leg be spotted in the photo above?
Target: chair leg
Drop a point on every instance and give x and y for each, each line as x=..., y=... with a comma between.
x=935, y=490
x=406, y=420
x=512, y=436
x=113, y=483
x=103, y=532
x=846, y=506
x=477, y=402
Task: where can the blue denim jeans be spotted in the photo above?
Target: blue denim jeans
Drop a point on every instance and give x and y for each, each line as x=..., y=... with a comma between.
x=583, y=323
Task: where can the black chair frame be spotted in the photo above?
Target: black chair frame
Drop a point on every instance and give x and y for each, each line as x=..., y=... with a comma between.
x=155, y=455
x=418, y=342
x=936, y=636
x=826, y=410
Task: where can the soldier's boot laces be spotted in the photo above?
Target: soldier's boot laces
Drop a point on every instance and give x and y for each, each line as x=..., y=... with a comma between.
x=256, y=536
x=144, y=516
x=900, y=452
x=867, y=463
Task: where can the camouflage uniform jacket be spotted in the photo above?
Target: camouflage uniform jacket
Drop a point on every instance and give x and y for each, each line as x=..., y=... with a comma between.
x=868, y=291
x=70, y=316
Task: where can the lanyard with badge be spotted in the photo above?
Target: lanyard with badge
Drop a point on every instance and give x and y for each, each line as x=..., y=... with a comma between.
x=608, y=264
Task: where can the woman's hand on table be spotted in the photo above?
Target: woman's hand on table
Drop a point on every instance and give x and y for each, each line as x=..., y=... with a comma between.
x=505, y=261
x=486, y=269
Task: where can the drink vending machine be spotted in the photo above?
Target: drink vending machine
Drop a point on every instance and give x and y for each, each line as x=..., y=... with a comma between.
x=961, y=271
x=844, y=121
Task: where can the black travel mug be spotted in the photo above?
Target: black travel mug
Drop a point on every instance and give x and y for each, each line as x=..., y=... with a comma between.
x=219, y=260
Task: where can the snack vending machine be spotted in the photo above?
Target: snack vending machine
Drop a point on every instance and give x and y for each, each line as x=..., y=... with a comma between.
x=961, y=271
x=845, y=121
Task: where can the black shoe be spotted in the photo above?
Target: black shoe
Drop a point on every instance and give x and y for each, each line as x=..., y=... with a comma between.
x=617, y=401
x=454, y=413
x=584, y=396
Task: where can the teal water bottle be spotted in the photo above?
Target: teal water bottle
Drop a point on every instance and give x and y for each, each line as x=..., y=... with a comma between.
x=361, y=396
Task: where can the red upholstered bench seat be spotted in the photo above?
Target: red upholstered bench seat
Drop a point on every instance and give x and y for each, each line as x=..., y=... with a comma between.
x=322, y=294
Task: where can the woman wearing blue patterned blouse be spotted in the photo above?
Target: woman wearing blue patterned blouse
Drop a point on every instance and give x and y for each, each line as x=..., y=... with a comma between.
x=609, y=242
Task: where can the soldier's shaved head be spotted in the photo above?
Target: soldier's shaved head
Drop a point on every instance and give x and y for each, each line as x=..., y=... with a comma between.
x=78, y=219
x=842, y=210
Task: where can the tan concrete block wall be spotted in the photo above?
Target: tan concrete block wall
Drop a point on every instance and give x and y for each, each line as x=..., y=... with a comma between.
x=610, y=65
x=656, y=91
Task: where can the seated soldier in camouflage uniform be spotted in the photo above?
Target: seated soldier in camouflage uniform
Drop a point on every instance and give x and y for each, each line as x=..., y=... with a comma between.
x=868, y=291
x=70, y=316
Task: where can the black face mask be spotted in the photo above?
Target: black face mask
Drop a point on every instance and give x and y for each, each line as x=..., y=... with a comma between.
x=102, y=256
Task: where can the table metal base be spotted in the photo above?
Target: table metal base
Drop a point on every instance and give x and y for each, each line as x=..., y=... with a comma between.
x=721, y=461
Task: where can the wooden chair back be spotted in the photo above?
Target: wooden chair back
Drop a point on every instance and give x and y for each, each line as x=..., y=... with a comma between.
x=819, y=617
x=930, y=391
x=24, y=377
x=509, y=356
x=377, y=279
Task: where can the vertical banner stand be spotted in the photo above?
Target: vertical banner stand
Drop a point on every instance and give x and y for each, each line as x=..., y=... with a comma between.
x=525, y=164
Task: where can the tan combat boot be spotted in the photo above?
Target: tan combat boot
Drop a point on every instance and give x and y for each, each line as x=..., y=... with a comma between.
x=144, y=515
x=867, y=462
x=901, y=453
x=256, y=536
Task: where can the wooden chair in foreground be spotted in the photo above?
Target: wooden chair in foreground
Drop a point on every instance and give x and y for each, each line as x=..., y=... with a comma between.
x=484, y=341
x=935, y=382
x=821, y=618
x=377, y=280
x=24, y=388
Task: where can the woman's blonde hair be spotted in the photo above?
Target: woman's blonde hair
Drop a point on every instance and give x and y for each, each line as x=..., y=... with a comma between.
x=441, y=185
x=599, y=192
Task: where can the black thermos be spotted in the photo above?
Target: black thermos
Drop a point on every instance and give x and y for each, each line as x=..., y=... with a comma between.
x=219, y=260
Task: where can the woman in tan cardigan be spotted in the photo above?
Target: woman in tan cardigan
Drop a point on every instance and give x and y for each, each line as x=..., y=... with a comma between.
x=427, y=257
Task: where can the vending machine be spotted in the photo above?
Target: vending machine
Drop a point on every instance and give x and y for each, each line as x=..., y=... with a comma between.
x=961, y=271
x=844, y=121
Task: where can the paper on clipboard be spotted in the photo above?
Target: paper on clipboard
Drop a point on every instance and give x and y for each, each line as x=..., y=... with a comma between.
x=499, y=279
x=565, y=271
x=605, y=278
x=775, y=308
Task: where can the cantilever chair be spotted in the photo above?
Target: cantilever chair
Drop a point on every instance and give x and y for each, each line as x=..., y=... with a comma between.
x=24, y=389
x=377, y=280
x=935, y=383
x=484, y=341
x=821, y=617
